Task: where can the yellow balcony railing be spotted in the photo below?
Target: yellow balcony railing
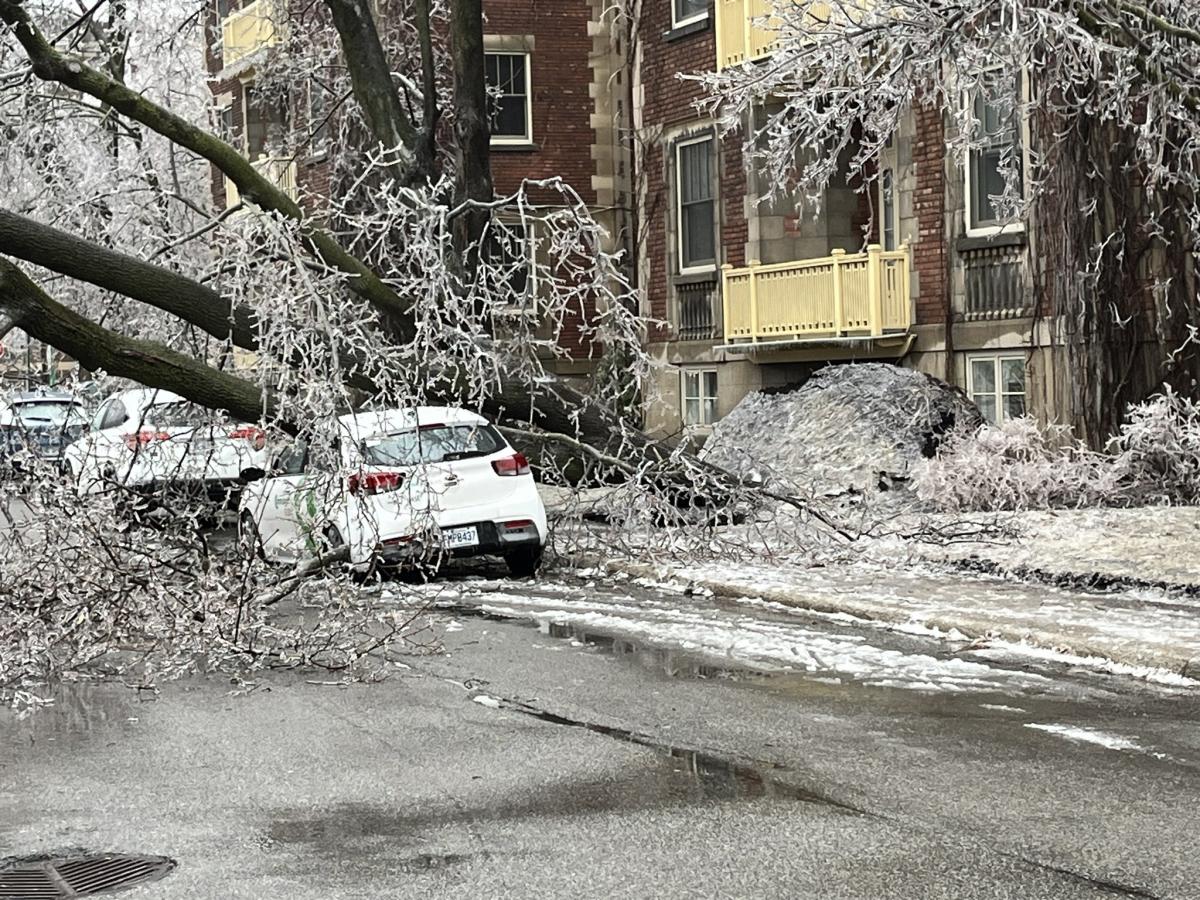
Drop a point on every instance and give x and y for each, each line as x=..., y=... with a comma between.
x=840, y=295
x=246, y=30
x=279, y=170
x=749, y=29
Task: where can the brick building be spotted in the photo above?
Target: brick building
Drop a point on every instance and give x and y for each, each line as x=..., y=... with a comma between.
x=916, y=271
x=558, y=72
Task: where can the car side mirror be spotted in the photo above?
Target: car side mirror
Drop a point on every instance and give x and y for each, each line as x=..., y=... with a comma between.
x=252, y=473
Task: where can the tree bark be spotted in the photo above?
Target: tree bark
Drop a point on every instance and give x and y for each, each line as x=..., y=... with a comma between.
x=51, y=65
x=154, y=285
x=470, y=125
x=370, y=76
x=41, y=317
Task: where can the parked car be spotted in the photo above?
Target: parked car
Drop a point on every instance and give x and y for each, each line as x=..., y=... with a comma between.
x=38, y=425
x=409, y=484
x=148, y=438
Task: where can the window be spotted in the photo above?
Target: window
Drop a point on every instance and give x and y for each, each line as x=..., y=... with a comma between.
x=255, y=130
x=318, y=119
x=889, y=207
x=985, y=175
x=509, y=90
x=997, y=385
x=511, y=247
x=112, y=415
x=432, y=444
x=694, y=190
x=684, y=12
x=225, y=7
x=225, y=123
x=699, y=396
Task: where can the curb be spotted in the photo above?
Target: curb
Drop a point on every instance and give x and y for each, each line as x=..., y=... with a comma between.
x=973, y=627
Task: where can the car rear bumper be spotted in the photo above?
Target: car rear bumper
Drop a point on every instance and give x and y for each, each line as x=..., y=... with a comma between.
x=494, y=540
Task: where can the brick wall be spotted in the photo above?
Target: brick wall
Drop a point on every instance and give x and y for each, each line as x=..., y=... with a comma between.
x=669, y=102
x=562, y=109
x=929, y=206
x=560, y=77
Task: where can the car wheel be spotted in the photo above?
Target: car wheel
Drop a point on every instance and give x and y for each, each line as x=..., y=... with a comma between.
x=525, y=562
x=249, y=540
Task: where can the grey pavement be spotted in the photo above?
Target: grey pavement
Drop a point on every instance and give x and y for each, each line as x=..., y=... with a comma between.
x=522, y=764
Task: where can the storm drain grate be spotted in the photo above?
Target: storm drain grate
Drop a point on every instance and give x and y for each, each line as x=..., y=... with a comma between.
x=58, y=877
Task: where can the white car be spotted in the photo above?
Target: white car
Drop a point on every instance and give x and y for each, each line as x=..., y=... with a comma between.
x=148, y=438
x=409, y=484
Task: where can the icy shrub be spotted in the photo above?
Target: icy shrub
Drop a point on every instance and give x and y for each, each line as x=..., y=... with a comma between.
x=1154, y=458
x=1157, y=451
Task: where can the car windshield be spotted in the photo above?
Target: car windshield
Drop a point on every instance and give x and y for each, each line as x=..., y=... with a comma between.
x=49, y=412
x=431, y=444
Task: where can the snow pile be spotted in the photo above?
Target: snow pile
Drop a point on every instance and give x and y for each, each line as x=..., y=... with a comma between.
x=850, y=427
x=1154, y=459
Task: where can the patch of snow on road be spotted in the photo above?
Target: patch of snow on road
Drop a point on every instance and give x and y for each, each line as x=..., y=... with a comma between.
x=1099, y=663
x=1087, y=735
x=728, y=638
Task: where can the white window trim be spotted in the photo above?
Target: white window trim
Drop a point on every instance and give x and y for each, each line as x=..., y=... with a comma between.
x=699, y=372
x=889, y=158
x=1017, y=226
x=996, y=357
x=704, y=267
x=532, y=308
x=679, y=23
x=512, y=140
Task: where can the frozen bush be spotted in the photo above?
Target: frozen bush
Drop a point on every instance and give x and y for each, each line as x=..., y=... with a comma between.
x=1155, y=458
x=1157, y=450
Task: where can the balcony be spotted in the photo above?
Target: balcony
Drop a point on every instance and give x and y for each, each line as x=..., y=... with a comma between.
x=746, y=29
x=838, y=298
x=279, y=170
x=246, y=30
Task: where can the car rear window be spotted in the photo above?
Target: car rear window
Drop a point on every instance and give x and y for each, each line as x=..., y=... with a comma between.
x=431, y=444
x=177, y=415
x=47, y=413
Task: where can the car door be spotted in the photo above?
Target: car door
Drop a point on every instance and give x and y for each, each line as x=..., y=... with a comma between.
x=279, y=510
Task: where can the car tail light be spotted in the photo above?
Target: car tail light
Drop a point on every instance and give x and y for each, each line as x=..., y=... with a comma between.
x=141, y=438
x=250, y=433
x=371, y=483
x=518, y=524
x=516, y=464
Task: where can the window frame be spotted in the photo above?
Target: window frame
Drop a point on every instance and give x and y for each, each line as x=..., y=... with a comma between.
x=990, y=227
x=696, y=268
x=695, y=17
x=512, y=140
x=997, y=358
x=700, y=373
x=889, y=162
x=529, y=225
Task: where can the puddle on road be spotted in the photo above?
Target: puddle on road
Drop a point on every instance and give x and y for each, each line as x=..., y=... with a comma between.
x=667, y=661
x=403, y=833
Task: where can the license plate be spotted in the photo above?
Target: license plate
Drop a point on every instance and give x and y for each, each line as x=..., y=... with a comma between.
x=452, y=538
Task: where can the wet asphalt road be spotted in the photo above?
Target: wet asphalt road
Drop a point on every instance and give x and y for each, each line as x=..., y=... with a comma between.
x=589, y=754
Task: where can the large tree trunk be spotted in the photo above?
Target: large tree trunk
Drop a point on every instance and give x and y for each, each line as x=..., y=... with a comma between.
x=410, y=159
x=470, y=125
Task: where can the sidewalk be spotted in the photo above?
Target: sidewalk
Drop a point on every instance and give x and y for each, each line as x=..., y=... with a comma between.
x=1141, y=629
x=1150, y=545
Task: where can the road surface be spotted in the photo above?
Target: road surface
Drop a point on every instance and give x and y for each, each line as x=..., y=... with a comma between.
x=584, y=738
